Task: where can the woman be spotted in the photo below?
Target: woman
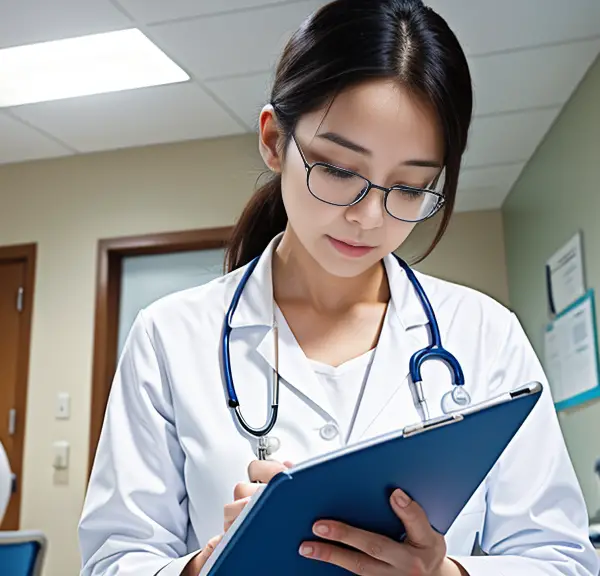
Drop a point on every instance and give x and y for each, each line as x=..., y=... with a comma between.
x=378, y=90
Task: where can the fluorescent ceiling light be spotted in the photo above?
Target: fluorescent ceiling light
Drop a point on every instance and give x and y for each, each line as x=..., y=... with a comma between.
x=95, y=64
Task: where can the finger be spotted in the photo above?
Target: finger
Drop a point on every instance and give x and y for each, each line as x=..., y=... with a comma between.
x=263, y=470
x=232, y=511
x=199, y=561
x=244, y=490
x=351, y=560
x=418, y=529
x=374, y=545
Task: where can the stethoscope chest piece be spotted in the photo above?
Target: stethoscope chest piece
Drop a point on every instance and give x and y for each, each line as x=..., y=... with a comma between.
x=455, y=399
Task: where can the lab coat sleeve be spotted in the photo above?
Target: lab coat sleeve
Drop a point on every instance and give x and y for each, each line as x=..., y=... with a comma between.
x=536, y=522
x=135, y=519
x=5, y=482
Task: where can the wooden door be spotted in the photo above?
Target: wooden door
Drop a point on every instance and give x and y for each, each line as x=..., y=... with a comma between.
x=14, y=355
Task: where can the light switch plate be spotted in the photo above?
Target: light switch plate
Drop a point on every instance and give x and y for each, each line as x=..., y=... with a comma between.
x=63, y=406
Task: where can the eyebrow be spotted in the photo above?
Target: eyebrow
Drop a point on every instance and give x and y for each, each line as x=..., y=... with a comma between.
x=345, y=143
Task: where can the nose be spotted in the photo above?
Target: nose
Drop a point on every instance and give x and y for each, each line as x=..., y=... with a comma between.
x=369, y=212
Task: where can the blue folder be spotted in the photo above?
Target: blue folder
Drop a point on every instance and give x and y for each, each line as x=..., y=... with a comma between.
x=440, y=464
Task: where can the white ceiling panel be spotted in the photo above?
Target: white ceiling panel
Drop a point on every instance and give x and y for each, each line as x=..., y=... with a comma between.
x=486, y=198
x=29, y=21
x=237, y=43
x=507, y=138
x=503, y=176
x=487, y=26
x=19, y=142
x=245, y=95
x=152, y=11
x=531, y=78
x=132, y=118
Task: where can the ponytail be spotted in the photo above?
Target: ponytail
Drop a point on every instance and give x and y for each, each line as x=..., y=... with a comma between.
x=262, y=219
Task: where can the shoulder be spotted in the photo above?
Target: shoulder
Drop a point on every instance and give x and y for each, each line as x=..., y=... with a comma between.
x=187, y=309
x=469, y=311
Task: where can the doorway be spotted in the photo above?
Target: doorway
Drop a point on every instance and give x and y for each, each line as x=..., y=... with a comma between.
x=17, y=270
x=118, y=295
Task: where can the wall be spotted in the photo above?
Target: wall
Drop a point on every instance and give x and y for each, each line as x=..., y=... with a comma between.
x=65, y=206
x=557, y=194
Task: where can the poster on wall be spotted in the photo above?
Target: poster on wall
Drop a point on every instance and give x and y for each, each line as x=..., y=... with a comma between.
x=571, y=354
x=565, y=278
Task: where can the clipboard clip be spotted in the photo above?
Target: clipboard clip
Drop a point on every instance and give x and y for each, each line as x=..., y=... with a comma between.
x=419, y=427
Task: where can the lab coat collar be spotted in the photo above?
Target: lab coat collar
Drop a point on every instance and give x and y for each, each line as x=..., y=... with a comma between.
x=256, y=304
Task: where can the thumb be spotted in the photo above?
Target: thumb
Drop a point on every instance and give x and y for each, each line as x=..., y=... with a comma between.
x=418, y=529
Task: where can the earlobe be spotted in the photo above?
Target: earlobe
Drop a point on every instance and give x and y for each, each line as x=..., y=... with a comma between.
x=269, y=136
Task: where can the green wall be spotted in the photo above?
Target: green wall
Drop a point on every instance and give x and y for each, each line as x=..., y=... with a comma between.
x=558, y=194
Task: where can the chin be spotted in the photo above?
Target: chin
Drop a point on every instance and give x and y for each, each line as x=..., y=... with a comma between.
x=346, y=268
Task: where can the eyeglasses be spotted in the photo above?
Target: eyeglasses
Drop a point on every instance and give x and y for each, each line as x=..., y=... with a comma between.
x=341, y=187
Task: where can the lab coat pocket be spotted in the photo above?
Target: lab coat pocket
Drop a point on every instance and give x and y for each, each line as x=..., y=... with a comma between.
x=464, y=536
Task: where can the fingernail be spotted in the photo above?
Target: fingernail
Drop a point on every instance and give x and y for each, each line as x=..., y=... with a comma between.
x=306, y=550
x=401, y=499
x=322, y=529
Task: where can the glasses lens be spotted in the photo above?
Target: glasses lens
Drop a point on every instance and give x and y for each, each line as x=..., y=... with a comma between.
x=412, y=205
x=335, y=186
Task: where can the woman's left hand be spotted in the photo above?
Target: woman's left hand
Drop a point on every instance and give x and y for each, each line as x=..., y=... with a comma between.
x=423, y=552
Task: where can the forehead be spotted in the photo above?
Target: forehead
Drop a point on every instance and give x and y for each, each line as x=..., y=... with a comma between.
x=381, y=116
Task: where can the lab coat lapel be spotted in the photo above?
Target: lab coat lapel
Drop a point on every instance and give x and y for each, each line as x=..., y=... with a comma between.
x=294, y=368
x=255, y=311
x=404, y=332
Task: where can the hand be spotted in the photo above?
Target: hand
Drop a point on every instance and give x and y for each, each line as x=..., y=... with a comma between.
x=423, y=552
x=260, y=471
x=197, y=563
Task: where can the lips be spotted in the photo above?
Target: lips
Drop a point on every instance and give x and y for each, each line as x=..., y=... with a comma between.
x=350, y=248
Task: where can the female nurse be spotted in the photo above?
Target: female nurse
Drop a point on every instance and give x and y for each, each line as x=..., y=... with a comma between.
x=364, y=133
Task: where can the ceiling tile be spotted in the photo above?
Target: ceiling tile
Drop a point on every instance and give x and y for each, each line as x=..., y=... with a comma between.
x=487, y=26
x=507, y=138
x=245, y=95
x=19, y=142
x=132, y=118
x=29, y=21
x=150, y=11
x=531, y=78
x=237, y=43
x=503, y=176
x=488, y=198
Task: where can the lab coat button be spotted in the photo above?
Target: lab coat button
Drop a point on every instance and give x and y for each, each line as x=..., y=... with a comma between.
x=329, y=431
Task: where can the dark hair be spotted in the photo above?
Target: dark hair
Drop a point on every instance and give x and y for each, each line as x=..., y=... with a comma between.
x=345, y=43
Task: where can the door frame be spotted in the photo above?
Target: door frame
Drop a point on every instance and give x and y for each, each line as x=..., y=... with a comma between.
x=28, y=254
x=110, y=255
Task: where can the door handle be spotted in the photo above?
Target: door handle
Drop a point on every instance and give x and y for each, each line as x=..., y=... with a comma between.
x=12, y=422
x=14, y=484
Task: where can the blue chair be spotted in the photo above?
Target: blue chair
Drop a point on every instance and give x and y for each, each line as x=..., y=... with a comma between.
x=22, y=553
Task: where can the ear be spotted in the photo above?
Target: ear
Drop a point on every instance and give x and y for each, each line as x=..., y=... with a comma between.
x=269, y=139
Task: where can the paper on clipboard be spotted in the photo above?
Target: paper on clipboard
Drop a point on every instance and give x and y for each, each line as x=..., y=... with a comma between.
x=565, y=275
x=571, y=356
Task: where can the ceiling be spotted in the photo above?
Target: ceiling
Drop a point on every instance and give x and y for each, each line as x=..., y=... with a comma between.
x=526, y=56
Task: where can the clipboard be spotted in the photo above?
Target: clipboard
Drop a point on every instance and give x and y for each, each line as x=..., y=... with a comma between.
x=439, y=463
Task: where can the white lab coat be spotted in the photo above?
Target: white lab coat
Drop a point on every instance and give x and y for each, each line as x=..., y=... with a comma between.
x=171, y=453
x=5, y=482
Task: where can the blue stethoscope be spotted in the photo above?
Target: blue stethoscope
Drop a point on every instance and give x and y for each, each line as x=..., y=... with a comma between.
x=455, y=398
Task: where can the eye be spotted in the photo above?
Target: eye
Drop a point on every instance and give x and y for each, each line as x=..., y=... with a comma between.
x=333, y=172
x=410, y=192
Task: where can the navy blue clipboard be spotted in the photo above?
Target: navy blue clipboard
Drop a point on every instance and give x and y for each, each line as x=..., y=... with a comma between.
x=440, y=464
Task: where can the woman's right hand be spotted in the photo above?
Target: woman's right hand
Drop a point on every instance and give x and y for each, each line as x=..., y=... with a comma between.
x=259, y=472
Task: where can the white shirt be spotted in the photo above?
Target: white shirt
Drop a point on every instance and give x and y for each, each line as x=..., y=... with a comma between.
x=5, y=482
x=171, y=450
x=344, y=385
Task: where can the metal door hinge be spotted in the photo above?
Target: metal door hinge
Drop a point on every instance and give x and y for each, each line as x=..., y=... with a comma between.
x=20, y=294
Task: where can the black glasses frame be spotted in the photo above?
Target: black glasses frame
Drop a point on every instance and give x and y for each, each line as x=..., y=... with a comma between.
x=369, y=186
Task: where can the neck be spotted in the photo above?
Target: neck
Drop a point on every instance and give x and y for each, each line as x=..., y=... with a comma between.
x=298, y=278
